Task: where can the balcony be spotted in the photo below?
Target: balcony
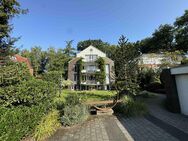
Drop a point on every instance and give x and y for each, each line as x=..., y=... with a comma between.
x=90, y=82
x=90, y=71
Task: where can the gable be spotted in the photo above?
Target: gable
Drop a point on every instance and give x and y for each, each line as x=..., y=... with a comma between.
x=91, y=50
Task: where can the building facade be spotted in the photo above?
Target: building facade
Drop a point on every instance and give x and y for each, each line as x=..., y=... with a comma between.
x=154, y=61
x=89, y=69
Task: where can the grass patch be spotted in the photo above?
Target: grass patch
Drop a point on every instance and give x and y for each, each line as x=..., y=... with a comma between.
x=93, y=95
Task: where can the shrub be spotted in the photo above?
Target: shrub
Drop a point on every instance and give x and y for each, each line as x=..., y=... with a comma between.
x=130, y=107
x=13, y=74
x=184, y=61
x=52, y=76
x=148, y=76
x=66, y=83
x=154, y=87
x=19, y=122
x=74, y=112
x=47, y=126
x=28, y=93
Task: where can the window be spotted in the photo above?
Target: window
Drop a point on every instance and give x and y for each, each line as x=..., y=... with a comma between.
x=91, y=68
x=91, y=58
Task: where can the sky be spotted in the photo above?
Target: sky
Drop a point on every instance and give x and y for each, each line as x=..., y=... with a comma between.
x=52, y=22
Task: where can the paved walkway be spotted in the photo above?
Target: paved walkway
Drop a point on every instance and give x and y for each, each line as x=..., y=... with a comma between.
x=158, y=125
x=101, y=128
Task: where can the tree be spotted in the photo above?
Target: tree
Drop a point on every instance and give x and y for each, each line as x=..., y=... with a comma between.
x=98, y=43
x=126, y=60
x=35, y=57
x=145, y=45
x=69, y=50
x=181, y=32
x=161, y=40
x=8, y=10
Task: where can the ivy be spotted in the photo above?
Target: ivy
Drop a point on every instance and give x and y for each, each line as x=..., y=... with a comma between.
x=79, y=65
x=100, y=76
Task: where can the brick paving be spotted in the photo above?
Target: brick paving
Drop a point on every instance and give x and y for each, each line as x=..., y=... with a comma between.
x=143, y=130
x=102, y=128
x=156, y=108
x=158, y=125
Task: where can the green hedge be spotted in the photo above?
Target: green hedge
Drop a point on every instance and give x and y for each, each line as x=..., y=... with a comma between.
x=53, y=76
x=18, y=122
x=27, y=93
x=13, y=74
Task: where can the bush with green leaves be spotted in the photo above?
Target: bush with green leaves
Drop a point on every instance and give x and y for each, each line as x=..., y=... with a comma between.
x=20, y=121
x=184, y=61
x=27, y=93
x=148, y=76
x=66, y=83
x=13, y=73
x=53, y=76
x=74, y=111
x=130, y=107
x=47, y=126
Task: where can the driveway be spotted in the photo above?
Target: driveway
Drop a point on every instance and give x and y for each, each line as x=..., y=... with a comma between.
x=158, y=125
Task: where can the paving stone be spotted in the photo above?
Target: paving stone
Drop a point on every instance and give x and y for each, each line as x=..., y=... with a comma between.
x=157, y=109
x=121, y=128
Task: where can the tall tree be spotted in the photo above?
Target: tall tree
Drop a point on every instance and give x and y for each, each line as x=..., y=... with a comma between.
x=145, y=45
x=181, y=34
x=69, y=50
x=161, y=40
x=98, y=43
x=8, y=10
x=126, y=59
x=35, y=56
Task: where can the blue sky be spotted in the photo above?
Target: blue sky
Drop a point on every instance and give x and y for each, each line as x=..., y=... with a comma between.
x=52, y=22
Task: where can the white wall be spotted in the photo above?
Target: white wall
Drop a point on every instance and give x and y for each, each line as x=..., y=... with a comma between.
x=90, y=51
x=182, y=88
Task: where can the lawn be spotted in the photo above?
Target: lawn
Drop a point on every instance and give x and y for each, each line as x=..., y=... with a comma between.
x=92, y=95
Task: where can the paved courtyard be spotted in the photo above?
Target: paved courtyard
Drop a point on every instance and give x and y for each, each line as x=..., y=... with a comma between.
x=158, y=125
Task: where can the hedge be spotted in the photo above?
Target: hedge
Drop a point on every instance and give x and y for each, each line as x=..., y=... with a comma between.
x=19, y=121
x=27, y=93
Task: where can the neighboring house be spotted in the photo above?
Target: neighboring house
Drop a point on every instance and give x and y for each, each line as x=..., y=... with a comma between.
x=18, y=58
x=90, y=67
x=154, y=61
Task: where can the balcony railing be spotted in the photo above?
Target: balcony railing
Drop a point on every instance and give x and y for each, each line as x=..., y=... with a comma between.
x=90, y=71
x=90, y=82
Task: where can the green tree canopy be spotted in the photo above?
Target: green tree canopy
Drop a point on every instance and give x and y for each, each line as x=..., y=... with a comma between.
x=161, y=40
x=181, y=34
x=8, y=10
x=126, y=60
x=69, y=50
